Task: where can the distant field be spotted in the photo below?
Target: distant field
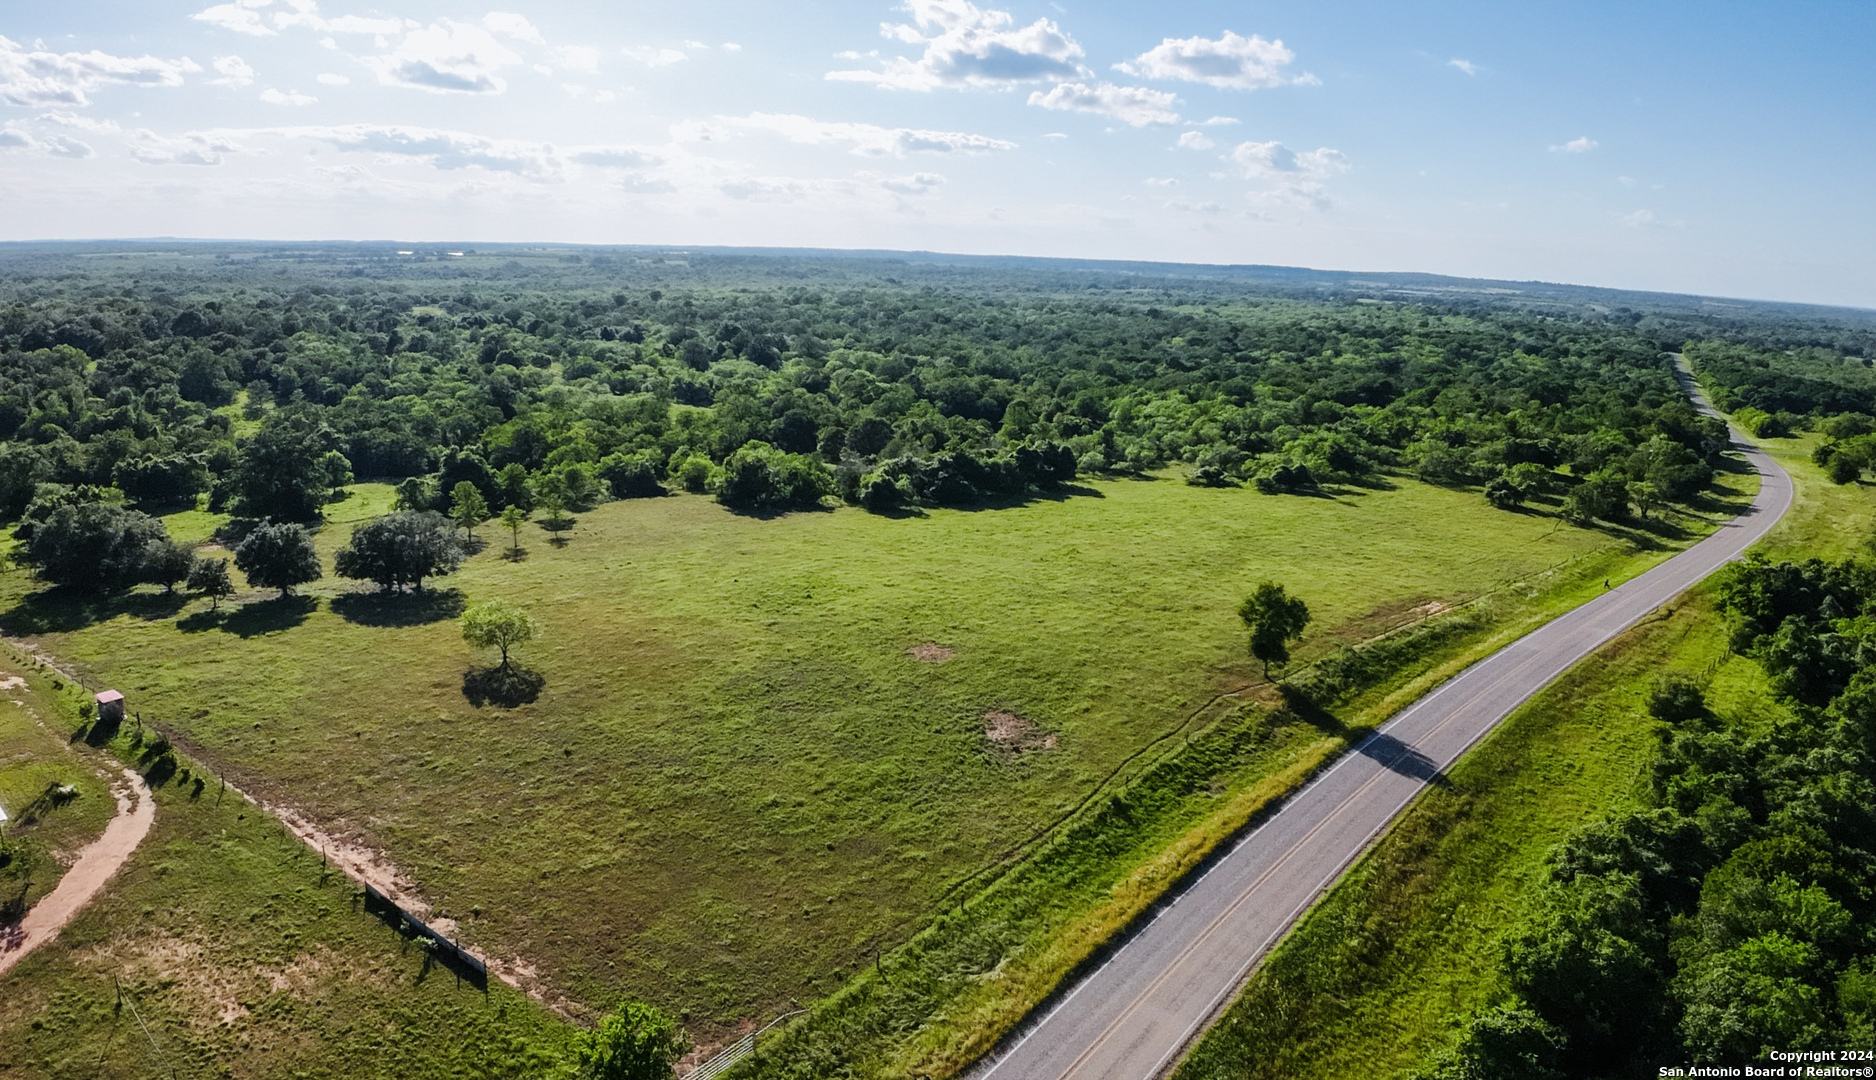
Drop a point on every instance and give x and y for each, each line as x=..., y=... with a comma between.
x=737, y=781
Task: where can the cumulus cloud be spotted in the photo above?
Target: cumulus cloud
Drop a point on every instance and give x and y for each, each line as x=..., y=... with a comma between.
x=1186, y=207
x=1134, y=105
x=869, y=140
x=1288, y=175
x=193, y=148
x=275, y=97
x=916, y=184
x=333, y=80
x=1229, y=63
x=966, y=45
x=233, y=70
x=16, y=137
x=612, y=157
x=1160, y=181
x=439, y=148
x=1582, y=144
x=446, y=57
x=656, y=57
x=1220, y=121
x=306, y=13
x=1466, y=66
x=1195, y=140
x=515, y=26
x=240, y=17
x=37, y=78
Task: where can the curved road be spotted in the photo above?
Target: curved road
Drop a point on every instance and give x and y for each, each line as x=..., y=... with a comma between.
x=1133, y=1016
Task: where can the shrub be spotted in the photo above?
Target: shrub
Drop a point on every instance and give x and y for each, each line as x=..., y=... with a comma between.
x=631, y=476
x=1675, y=698
x=95, y=546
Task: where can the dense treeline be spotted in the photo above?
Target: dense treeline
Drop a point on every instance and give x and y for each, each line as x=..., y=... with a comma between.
x=268, y=392
x=1732, y=915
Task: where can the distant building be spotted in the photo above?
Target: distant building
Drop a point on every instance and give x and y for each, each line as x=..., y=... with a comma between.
x=111, y=707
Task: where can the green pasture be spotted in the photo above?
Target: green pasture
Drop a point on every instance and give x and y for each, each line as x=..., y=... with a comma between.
x=224, y=948
x=737, y=783
x=54, y=795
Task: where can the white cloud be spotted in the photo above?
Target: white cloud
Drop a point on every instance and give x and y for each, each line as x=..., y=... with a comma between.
x=656, y=57
x=1466, y=66
x=923, y=183
x=446, y=57
x=578, y=58
x=306, y=13
x=731, y=46
x=581, y=93
x=240, y=17
x=16, y=137
x=44, y=78
x=869, y=140
x=275, y=97
x=82, y=123
x=1158, y=181
x=698, y=131
x=193, y=148
x=1195, y=140
x=970, y=46
x=333, y=80
x=1056, y=135
x=441, y=149
x=233, y=70
x=1289, y=176
x=1647, y=219
x=1220, y=121
x=515, y=26
x=1185, y=207
x=646, y=185
x=1135, y=105
x=612, y=157
x=1582, y=144
x=1229, y=63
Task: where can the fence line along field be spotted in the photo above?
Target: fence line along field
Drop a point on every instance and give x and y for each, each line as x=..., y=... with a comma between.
x=762, y=745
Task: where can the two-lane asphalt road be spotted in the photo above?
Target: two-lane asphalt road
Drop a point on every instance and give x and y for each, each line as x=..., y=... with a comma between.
x=1130, y=1018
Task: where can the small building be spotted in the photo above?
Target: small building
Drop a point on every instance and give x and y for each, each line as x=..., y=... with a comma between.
x=110, y=707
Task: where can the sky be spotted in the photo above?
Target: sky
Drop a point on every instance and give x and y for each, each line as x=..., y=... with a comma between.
x=1717, y=147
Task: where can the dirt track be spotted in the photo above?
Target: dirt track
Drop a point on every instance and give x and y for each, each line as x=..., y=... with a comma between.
x=97, y=863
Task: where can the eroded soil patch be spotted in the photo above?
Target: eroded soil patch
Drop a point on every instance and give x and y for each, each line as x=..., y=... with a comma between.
x=1010, y=732
x=929, y=652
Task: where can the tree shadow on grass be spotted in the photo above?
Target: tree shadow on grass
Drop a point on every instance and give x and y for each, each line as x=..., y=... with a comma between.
x=268, y=616
x=62, y=609
x=399, y=609
x=505, y=687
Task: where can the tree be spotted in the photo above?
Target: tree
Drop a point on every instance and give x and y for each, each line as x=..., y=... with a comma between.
x=497, y=624
x=91, y=545
x=550, y=494
x=167, y=562
x=760, y=477
x=467, y=507
x=278, y=555
x=1275, y=620
x=1506, y=1043
x=511, y=484
x=636, y=1042
x=631, y=476
x=414, y=493
x=290, y=468
x=210, y=578
x=1502, y=493
x=400, y=550
x=1602, y=494
x=512, y=519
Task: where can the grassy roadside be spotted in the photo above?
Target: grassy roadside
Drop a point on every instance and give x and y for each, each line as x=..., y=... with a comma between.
x=224, y=949
x=1378, y=973
x=944, y=1000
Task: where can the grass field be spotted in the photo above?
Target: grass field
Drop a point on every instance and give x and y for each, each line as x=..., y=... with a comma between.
x=737, y=782
x=1385, y=967
x=224, y=949
x=36, y=761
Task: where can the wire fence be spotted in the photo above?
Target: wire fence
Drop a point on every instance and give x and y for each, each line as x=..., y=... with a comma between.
x=735, y=1052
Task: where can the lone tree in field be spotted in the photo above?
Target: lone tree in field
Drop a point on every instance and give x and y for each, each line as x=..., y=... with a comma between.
x=277, y=555
x=210, y=578
x=167, y=563
x=637, y=1042
x=1275, y=619
x=512, y=519
x=399, y=550
x=467, y=507
x=497, y=624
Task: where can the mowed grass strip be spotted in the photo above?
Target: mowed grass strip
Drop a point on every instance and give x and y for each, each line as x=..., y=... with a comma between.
x=224, y=948
x=737, y=781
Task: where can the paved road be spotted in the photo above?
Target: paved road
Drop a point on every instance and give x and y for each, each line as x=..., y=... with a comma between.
x=1131, y=1018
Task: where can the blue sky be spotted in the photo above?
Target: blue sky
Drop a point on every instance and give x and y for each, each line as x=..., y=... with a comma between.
x=1719, y=148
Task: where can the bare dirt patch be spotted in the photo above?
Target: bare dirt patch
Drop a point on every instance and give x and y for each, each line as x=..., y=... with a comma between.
x=929, y=652
x=11, y=682
x=1012, y=733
